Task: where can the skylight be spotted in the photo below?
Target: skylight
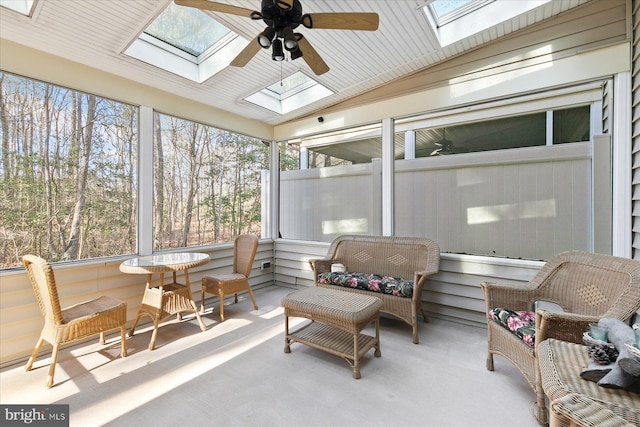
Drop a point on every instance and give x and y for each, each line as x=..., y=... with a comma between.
x=290, y=93
x=455, y=20
x=23, y=6
x=187, y=29
x=187, y=42
x=449, y=10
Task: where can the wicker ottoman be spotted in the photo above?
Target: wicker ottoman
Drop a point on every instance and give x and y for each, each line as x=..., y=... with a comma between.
x=337, y=318
x=577, y=402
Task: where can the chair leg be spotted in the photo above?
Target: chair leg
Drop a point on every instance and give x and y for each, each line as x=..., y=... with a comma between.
x=202, y=300
x=52, y=367
x=154, y=334
x=123, y=341
x=542, y=409
x=255, y=306
x=102, y=340
x=133, y=326
x=489, y=361
x=235, y=298
x=34, y=354
x=221, y=296
x=414, y=325
x=542, y=414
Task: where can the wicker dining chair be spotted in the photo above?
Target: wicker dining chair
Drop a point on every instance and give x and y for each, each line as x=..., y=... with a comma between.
x=79, y=321
x=585, y=285
x=244, y=252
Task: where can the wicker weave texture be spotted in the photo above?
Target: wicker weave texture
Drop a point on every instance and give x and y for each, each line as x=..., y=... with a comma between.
x=578, y=402
x=245, y=247
x=410, y=258
x=337, y=320
x=587, y=286
x=348, y=312
x=61, y=326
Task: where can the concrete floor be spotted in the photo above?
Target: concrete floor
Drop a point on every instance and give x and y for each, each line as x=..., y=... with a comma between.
x=236, y=374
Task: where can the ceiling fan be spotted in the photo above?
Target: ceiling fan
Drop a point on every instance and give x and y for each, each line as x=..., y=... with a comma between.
x=446, y=147
x=282, y=17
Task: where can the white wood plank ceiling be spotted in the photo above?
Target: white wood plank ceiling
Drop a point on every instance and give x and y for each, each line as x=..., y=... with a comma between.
x=96, y=32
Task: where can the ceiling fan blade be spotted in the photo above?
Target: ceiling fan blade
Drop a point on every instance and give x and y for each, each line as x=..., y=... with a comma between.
x=215, y=7
x=342, y=21
x=247, y=53
x=311, y=57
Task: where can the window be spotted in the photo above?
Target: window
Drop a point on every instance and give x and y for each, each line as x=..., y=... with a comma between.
x=528, y=130
x=187, y=29
x=207, y=184
x=571, y=125
x=455, y=20
x=22, y=6
x=68, y=173
x=187, y=42
x=344, y=147
x=290, y=93
x=446, y=11
x=363, y=144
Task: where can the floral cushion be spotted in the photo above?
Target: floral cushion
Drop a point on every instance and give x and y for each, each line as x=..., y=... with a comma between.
x=369, y=282
x=521, y=323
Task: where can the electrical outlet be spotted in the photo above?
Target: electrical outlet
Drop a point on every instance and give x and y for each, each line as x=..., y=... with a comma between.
x=265, y=265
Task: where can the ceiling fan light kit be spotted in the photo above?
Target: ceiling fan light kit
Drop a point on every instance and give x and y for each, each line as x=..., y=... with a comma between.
x=290, y=42
x=282, y=17
x=266, y=37
x=278, y=53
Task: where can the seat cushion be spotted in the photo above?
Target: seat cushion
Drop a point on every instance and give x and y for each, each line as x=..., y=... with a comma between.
x=520, y=323
x=369, y=282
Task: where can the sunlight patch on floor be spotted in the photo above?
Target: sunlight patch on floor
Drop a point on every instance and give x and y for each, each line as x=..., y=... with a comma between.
x=132, y=398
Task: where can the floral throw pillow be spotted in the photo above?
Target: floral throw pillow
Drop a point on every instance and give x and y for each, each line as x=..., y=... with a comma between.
x=521, y=323
x=369, y=282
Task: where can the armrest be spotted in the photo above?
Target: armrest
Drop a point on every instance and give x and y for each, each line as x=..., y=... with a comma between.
x=320, y=265
x=419, y=279
x=562, y=325
x=515, y=297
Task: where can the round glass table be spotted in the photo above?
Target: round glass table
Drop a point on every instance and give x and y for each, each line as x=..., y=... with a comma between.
x=163, y=300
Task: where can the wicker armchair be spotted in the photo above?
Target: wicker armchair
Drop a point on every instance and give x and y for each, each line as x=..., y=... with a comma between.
x=587, y=286
x=74, y=323
x=244, y=252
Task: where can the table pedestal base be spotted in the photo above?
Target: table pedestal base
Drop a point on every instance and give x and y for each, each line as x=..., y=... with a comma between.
x=162, y=302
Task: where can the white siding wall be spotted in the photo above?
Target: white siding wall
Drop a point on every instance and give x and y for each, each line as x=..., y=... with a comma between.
x=635, y=131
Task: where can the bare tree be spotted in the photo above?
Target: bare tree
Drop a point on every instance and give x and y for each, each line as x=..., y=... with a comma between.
x=73, y=245
x=158, y=184
x=4, y=123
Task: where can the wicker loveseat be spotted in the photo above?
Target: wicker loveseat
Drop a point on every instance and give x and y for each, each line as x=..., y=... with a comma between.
x=394, y=269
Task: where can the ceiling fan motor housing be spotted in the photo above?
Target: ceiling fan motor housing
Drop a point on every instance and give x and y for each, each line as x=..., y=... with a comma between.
x=276, y=17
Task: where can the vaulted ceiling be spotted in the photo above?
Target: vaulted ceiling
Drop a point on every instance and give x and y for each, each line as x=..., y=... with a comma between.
x=96, y=33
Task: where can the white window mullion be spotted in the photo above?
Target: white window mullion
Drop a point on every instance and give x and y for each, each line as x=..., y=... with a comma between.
x=621, y=134
x=145, y=182
x=388, y=164
x=549, y=136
